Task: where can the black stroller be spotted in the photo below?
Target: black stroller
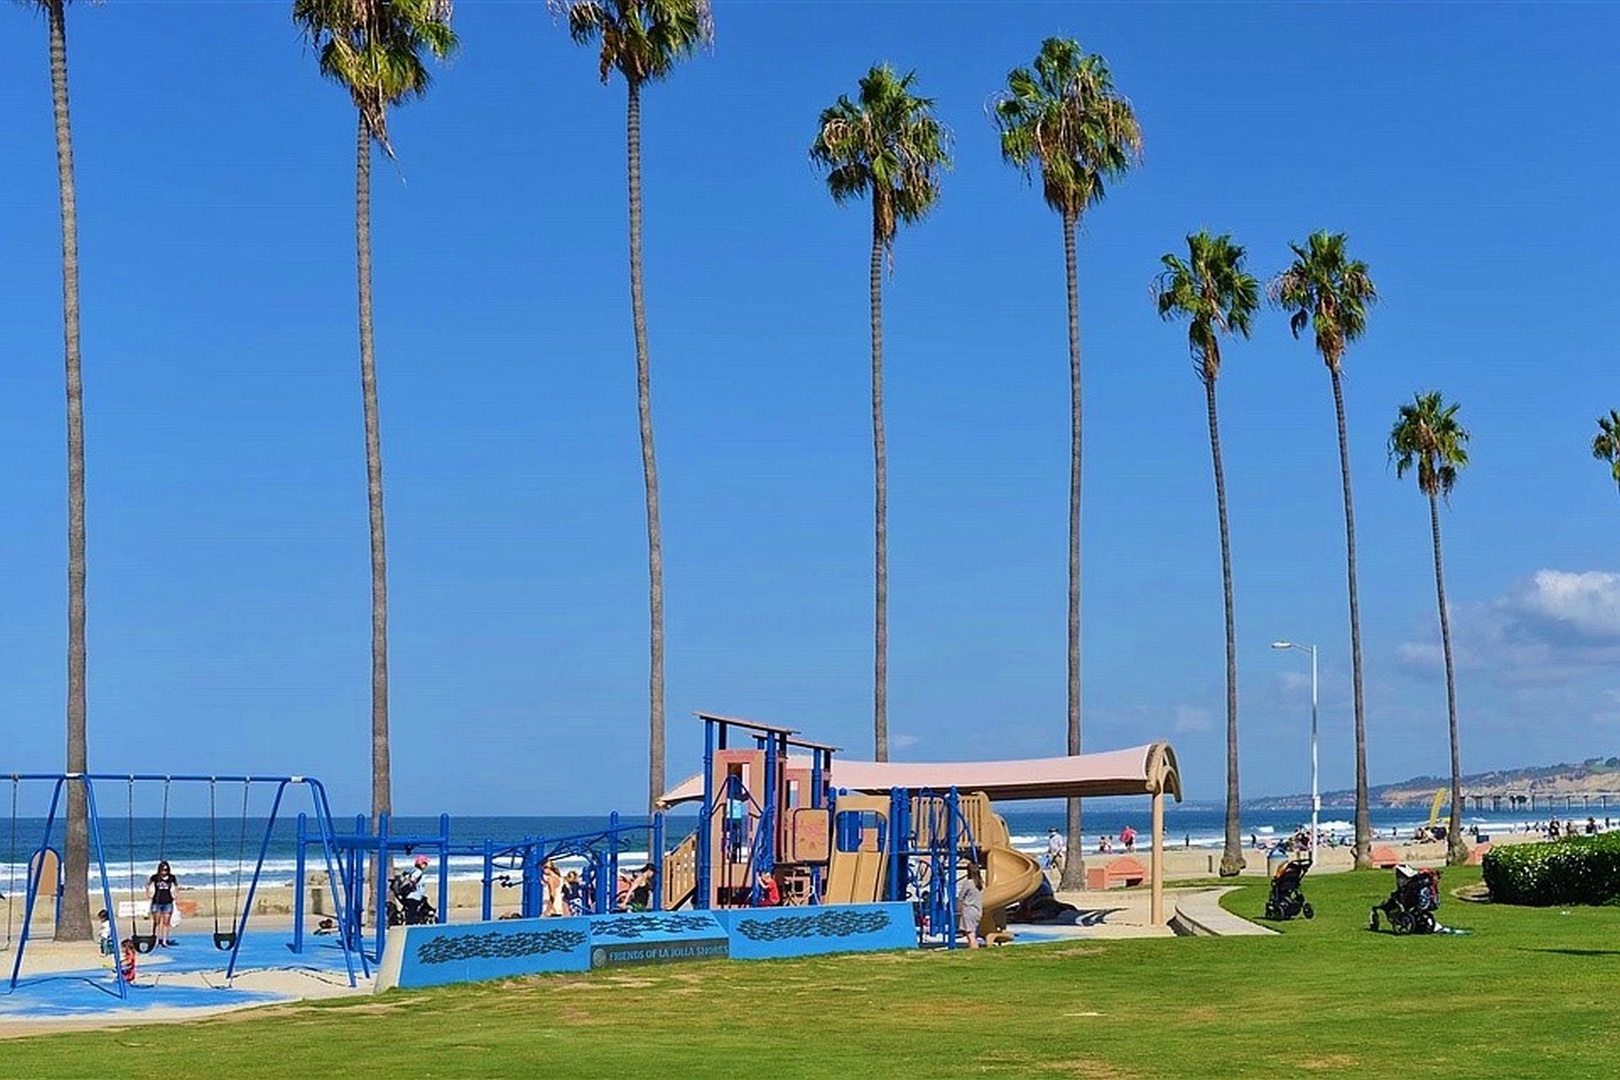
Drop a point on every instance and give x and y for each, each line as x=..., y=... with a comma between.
x=1412, y=905
x=1286, y=899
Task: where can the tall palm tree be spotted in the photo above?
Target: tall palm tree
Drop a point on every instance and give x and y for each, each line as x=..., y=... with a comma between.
x=1213, y=292
x=643, y=40
x=886, y=144
x=1329, y=292
x=377, y=50
x=74, y=923
x=1064, y=118
x=1606, y=444
x=1428, y=437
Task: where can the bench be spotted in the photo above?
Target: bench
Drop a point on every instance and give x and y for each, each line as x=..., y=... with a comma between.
x=1119, y=873
x=1386, y=857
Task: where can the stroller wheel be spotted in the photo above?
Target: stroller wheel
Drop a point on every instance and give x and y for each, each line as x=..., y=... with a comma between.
x=1402, y=922
x=1272, y=913
x=1308, y=911
x=1425, y=924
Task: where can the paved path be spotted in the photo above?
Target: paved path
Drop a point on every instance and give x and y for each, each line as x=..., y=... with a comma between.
x=1199, y=913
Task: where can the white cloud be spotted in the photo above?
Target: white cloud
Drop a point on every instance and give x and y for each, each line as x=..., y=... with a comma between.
x=1581, y=606
x=904, y=742
x=1190, y=718
x=1553, y=625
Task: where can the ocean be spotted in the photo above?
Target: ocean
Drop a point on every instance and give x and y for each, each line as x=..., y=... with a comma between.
x=222, y=854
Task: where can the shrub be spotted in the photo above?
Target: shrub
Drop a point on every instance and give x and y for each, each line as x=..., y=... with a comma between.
x=1577, y=870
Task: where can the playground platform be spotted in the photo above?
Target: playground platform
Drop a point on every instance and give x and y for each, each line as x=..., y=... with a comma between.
x=67, y=984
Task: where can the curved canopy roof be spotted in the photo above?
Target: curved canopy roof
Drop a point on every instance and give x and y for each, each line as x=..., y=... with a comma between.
x=1139, y=770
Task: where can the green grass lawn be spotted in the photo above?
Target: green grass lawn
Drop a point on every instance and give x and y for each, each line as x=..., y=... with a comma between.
x=1527, y=992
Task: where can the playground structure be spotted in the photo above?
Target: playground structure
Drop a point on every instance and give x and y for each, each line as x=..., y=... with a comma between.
x=362, y=856
x=783, y=825
x=863, y=832
x=225, y=940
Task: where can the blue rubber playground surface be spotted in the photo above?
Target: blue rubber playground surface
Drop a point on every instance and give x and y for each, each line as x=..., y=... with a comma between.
x=188, y=975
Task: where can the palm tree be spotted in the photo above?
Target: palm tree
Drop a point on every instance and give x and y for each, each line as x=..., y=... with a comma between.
x=1329, y=292
x=1212, y=291
x=74, y=921
x=376, y=50
x=1065, y=119
x=1427, y=437
x=1606, y=444
x=887, y=144
x=643, y=40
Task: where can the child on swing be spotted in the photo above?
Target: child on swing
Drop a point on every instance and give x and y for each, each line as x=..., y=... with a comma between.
x=129, y=960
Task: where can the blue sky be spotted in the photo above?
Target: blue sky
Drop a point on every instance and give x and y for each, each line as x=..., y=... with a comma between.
x=1470, y=152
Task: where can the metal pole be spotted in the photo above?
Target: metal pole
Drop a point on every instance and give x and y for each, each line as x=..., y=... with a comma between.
x=33, y=895
x=658, y=860
x=106, y=887
x=300, y=891
x=489, y=876
x=1316, y=798
x=240, y=929
x=444, y=869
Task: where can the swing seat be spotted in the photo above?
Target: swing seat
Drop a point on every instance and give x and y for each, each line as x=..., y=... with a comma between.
x=224, y=940
x=145, y=943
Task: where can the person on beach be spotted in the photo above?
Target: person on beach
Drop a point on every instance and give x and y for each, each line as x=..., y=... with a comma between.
x=551, y=903
x=641, y=889
x=1128, y=838
x=573, y=893
x=1055, y=850
x=1104, y=845
x=970, y=903
x=160, y=890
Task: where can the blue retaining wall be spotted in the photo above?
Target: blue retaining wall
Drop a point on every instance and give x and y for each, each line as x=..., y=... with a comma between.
x=773, y=933
x=470, y=952
x=652, y=937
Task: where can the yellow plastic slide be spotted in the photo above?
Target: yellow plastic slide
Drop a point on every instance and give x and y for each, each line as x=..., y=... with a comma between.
x=1010, y=876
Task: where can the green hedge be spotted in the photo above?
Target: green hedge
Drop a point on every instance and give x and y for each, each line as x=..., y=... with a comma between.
x=1579, y=870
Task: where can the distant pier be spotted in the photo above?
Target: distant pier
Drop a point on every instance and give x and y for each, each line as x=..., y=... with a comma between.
x=1531, y=801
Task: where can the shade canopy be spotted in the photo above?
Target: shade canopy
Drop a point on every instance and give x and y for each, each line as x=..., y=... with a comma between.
x=1139, y=770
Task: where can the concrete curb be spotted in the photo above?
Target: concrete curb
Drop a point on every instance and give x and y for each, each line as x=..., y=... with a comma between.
x=1199, y=914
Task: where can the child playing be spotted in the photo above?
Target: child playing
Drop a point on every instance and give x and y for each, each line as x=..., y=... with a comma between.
x=104, y=933
x=129, y=960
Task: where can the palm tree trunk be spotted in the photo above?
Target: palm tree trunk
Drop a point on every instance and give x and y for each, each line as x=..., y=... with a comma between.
x=1363, y=823
x=649, y=463
x=381, y=778
x=1232, y=851
x=74, y=923
x=1074, y=868
x=880, y=618
x=1456, y=850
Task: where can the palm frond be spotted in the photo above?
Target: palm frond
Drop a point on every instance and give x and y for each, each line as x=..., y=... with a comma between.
x=1606, y=444
x=885, y=142
x=1326, y=290
x=1064, y=118
x=377, y=50
x=1428, y=438
x=643, y=40
x=1212, y=291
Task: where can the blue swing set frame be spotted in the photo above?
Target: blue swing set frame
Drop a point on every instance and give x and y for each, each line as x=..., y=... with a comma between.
x=323, y=816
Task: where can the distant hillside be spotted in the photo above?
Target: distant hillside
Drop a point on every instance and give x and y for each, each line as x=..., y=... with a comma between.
x=1592, y=775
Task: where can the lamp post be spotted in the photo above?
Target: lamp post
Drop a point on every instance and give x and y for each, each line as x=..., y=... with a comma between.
x=1316, y=799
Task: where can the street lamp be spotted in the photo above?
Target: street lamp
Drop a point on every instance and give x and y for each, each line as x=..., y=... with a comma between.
x=1316, y=799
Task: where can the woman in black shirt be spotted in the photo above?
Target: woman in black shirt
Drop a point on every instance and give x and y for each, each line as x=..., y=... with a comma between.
x=160, y=890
